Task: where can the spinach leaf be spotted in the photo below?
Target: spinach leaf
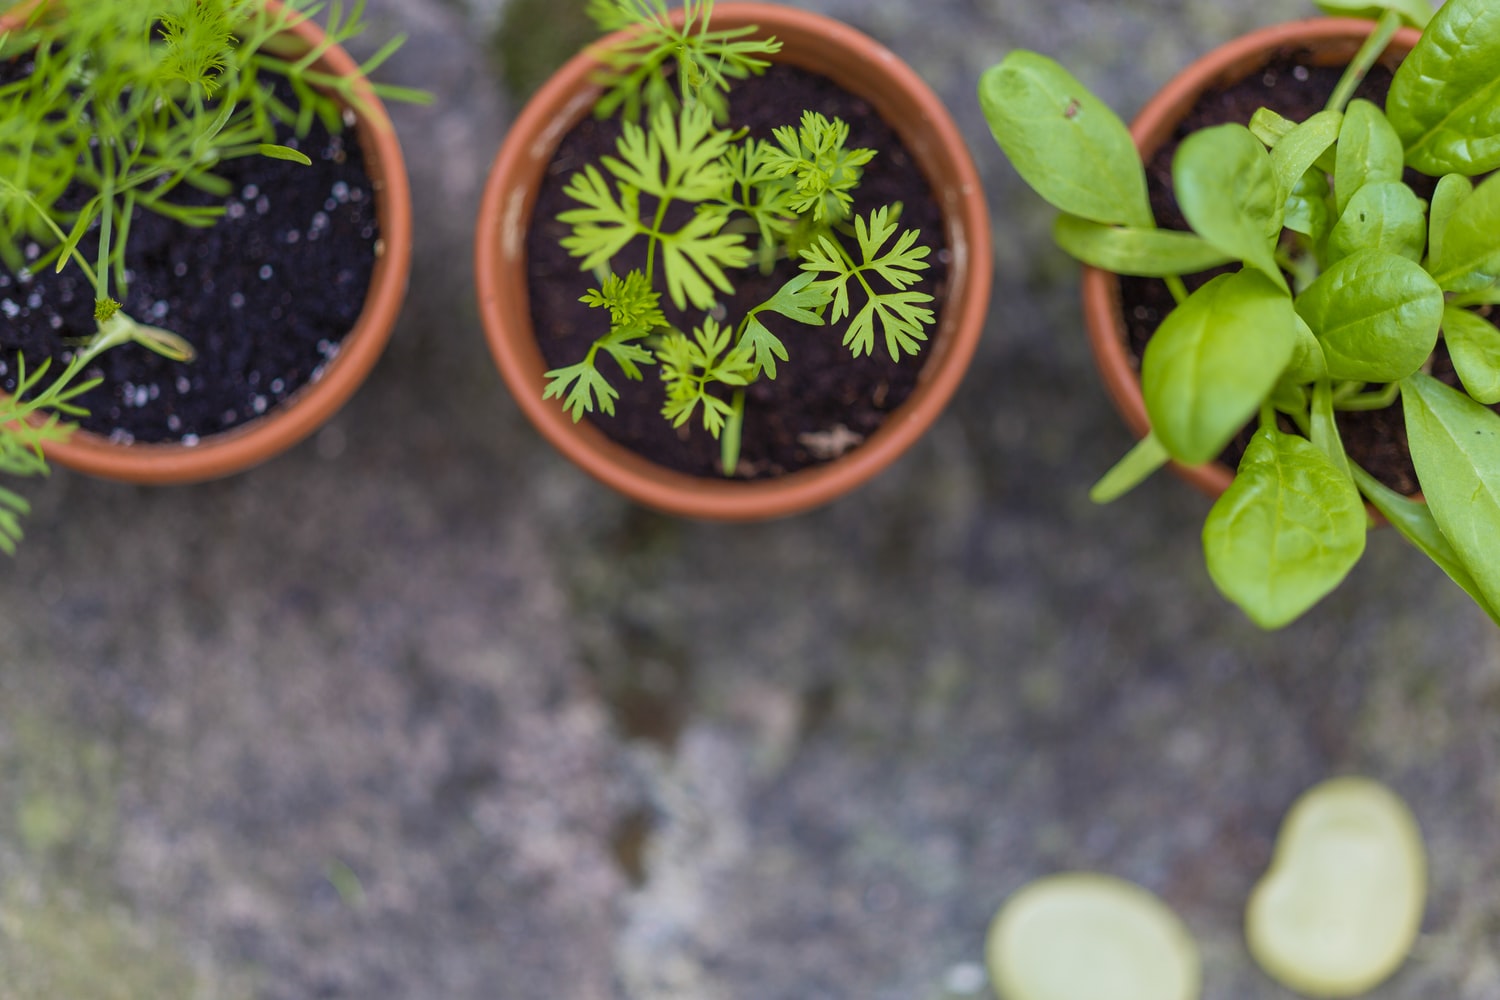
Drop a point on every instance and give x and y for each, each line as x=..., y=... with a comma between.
x=1325, y=430
x=1450, y=193
x=1445, y=98
x=1296, y=151
x=1129, y=472
x=1066, y=143
x=1474, y=345
x=1455, y=445
x=1226, y=186
x=1377, y=316
x=1382, y=215
x=1470, y=244
x=1307, y=207
x=1151, y=253
x=1286, y=532
x=1415, y=522
x=1369, y=151
x=1213, y=360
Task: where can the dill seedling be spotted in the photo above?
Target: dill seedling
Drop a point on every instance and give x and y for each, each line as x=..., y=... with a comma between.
x=123, y=105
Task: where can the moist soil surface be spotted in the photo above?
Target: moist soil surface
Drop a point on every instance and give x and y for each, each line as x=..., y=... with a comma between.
x=265, y=295
x=1295, y=88
x=822, y=401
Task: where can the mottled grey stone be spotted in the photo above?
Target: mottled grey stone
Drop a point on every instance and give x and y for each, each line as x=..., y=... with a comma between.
x=418, y=711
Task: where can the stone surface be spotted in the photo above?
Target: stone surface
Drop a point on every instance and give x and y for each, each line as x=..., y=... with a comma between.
x=419, y=711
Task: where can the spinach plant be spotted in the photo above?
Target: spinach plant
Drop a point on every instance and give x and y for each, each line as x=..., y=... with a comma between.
x=120, y=106
x=1342, y=282
x=752, y=202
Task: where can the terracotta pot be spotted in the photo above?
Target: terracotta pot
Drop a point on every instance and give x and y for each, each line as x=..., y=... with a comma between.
x=310, y=407
x=1331, y=42
x=861, y=66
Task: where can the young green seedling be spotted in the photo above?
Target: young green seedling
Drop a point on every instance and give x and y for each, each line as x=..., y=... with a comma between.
x=121, y=107
x=1346, y=280
x=753, y=202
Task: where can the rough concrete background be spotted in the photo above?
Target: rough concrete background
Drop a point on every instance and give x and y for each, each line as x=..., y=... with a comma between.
x=418, y=711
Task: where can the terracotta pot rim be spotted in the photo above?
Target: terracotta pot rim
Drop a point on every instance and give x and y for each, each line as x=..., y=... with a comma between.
x=310, y=407
x=505, y=214
x=1101, y=289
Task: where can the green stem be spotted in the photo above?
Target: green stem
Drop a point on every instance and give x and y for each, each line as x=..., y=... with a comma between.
x=1378, y=400
x=1354, y=73
x=1177, y=288
x=729, y=439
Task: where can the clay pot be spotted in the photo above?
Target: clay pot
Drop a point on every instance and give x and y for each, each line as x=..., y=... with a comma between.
x=861, y=66
x=309, y=408
x=1332, y=42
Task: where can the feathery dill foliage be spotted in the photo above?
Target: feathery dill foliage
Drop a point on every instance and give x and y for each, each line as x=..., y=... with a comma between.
x=754, y=202
x=125, y=103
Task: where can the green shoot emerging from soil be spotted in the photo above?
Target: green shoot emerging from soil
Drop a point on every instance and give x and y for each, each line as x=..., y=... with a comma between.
x=123, y=105
x=753, y=202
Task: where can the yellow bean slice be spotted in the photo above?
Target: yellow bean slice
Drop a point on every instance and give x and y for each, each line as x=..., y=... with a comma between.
x=1083, y=936
x=1340, y=906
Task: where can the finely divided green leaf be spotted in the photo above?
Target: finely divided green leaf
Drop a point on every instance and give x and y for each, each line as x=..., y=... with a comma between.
x=1455, y=445
x=1445, y=99
x=1226, y=186
x=1149, y=253
x=1286, y=532
x=1369, y=151
x=1376, y=314
x=1469, y=251
x=1066, y=143
x=1213, y=360
x=761, y=347
x=1382, y=215
x=1474, y=345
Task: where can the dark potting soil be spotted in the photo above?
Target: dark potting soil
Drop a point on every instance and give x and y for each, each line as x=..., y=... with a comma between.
x=265, y=295
x=1296, y=89
x=822, y=401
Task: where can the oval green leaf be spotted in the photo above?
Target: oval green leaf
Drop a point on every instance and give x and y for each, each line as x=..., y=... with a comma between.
x=1286, y=532
x=1213, y=360
x=1455, y=445
x=1226, y=186
x=1085, y=936
x=1468, y=256
x=1376, y=314
x=1445, y=99
x=1150, y=253
x=1296, y=152
x=1307, y=210
x=1474, y=344
x=1339, y=908
x=1369, y=151
x=1382, y=215
x=1064, y=142
x=1451, y=192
